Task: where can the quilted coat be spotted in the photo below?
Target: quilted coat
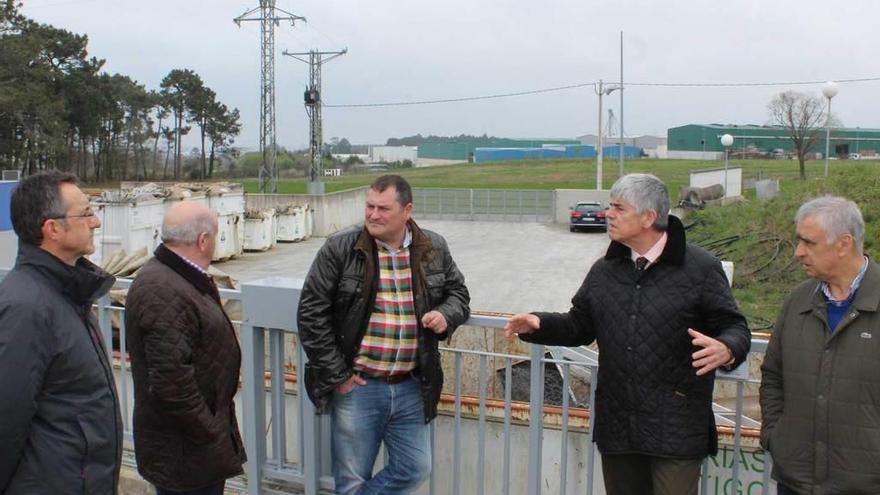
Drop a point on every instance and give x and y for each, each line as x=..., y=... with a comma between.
x=649, y=399
x=185, y=360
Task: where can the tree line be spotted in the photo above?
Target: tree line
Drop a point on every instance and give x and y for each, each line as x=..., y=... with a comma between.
x=58, y=110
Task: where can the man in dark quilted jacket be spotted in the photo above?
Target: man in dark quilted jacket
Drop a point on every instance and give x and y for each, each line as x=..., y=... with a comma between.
x=820, y=385
x=185, y=362
x=664, y=318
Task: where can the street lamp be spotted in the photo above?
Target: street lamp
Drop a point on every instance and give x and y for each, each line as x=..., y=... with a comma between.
x=829, y=89
x=601, y=90
x=727, y=142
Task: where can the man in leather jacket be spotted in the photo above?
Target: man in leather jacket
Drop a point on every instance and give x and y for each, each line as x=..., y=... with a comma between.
x=373, y=308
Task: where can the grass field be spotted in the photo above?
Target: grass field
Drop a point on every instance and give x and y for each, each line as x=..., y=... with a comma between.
x=759, y=236
x=556, y=174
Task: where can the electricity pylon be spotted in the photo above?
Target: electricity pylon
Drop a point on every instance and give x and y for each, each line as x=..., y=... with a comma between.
x=269, y=17
x=312, y=100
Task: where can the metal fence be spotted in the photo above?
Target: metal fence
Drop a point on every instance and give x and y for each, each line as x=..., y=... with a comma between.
x=289, y=448
x=485, y=204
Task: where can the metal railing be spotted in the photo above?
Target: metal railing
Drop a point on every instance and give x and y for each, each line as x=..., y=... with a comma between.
x=290, y=448
x=485, y=204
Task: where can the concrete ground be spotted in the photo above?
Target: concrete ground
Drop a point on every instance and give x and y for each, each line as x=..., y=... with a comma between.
x=509, y=267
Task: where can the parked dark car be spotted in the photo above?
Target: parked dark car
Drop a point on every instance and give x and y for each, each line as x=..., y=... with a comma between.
x=587, y=215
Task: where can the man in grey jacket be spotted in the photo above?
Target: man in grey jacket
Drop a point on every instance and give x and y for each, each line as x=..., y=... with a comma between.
x=60, y=428
x=820, y=387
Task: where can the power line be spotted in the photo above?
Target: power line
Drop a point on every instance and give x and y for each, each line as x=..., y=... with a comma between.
x=587, y=84
x=455, y=100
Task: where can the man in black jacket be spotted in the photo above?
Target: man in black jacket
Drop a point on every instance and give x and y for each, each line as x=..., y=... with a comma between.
x=664, y=318
x=60, y=428
x=185, y=362
x=374, y=305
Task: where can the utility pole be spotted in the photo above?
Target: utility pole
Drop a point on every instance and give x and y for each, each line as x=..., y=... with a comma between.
x=312, y=101
x=269, y=17
x=620, y=158
x=601, y=90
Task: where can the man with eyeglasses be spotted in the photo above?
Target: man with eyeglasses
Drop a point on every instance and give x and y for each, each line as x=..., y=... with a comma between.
x=60, y=427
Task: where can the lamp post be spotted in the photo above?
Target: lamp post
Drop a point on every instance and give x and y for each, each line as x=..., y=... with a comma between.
x=829, y=89
x=727, y=142
x=601, y=90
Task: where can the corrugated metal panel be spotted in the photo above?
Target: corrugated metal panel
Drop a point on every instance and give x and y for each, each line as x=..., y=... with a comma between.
x=628, y=151
x=542, y=153
x=462, y=149
x=694, y=137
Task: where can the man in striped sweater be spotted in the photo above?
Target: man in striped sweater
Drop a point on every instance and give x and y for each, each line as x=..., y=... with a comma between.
x=374, y=305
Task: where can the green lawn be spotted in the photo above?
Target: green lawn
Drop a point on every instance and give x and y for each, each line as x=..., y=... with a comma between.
x=759, y=236
x=554, y=174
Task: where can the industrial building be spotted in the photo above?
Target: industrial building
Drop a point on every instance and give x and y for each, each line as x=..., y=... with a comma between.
x=703, y=141
x=463, y=150
x=391, y=154
x=645, y=141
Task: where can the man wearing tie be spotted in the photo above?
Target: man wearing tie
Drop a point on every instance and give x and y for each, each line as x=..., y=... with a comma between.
x=664, y=318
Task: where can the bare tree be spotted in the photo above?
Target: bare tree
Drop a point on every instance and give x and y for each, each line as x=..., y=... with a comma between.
x=803, y=117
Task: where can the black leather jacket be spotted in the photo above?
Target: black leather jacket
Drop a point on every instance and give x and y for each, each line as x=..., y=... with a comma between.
x=338, y=298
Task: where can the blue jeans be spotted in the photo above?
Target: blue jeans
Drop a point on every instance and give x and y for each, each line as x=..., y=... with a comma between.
x=366, y=417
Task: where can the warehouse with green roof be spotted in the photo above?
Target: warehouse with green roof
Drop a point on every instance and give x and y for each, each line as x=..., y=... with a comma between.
x=706, y=138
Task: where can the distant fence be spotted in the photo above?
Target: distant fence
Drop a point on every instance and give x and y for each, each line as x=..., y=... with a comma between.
x=485, y=204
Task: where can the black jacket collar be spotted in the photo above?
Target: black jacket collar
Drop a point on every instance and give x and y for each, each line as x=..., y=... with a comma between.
x=192, y=275
x=676, y=245
x=81, y=284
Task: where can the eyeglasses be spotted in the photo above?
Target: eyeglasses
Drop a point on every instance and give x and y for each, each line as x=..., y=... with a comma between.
x=59, y=216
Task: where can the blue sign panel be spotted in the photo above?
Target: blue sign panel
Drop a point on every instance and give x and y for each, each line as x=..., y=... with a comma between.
x=6, y=188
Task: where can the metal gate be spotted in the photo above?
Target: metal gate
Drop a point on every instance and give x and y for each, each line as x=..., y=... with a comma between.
x=485, y=204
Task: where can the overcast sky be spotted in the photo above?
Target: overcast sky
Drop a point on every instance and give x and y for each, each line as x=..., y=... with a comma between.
x=406, y=50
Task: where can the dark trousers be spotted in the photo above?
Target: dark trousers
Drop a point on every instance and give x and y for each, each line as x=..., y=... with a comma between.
x=636, y=474
x=784, y=490
x=208, y=490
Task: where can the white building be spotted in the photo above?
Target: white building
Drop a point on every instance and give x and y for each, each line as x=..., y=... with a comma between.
x=391, y=154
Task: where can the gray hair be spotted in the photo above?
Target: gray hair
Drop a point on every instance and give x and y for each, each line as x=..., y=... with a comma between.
x=837, y=216
x=645, y=192
x=187, y=233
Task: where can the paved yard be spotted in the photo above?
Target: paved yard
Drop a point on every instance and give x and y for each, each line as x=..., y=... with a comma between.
x=509, y=266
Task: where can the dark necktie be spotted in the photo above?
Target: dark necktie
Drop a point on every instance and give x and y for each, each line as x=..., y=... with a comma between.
x=641, y=263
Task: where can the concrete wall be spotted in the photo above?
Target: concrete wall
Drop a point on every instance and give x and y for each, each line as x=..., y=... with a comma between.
x=332, y=211
x=566, y=198
x=694, y=155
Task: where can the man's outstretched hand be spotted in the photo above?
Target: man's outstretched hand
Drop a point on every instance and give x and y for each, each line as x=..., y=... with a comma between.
x=521, y=324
